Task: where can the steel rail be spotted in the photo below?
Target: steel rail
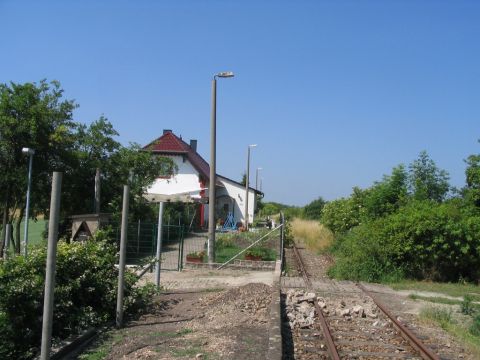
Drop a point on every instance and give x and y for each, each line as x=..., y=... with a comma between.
x=332, y=349
x=424, y=351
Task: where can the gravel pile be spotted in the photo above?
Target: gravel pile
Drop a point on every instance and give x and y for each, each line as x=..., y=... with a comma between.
x=248, y=304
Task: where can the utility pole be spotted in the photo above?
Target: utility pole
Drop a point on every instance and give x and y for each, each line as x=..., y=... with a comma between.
x=247, y=185
x=213, y=170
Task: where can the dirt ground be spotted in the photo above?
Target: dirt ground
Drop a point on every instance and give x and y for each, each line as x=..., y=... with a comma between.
x=201, y=315
x=208, y=314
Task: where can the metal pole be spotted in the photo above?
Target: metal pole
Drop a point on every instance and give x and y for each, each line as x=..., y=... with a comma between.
x=6, y=244
x=256, y=180
x=212, y=195
x=27, y=207
x=50, y=268
x=123, y=248
x=97, y=192
x=246, y=188
x=168, y=229
x=159, y=245
x=138, y=237
x=282, y=237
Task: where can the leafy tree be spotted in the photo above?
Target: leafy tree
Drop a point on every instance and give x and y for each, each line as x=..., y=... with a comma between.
x=426, y=180
x=35, y=116
x=344, y=214
x=313, y=210
x=386, y=196
x=473, y=179
x=244, y=179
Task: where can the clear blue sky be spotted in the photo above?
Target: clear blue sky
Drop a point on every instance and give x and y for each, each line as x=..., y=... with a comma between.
x=335, y=93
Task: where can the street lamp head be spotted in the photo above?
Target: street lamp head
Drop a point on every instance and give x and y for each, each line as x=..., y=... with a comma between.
x=28, y=151
x=225, y=74
x=253, y=145
x=259, y=168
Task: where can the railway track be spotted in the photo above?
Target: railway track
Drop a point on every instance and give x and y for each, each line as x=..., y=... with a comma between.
x=349, y=321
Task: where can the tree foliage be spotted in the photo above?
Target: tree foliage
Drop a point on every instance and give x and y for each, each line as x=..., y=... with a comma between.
x=36, y=116
x=406, y=226
x=472, y=190
x=313, y=210
x=427, y=181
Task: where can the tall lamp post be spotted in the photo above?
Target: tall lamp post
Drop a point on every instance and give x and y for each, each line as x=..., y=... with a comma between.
x=29, y=152
x=246, y=184
x=213, y=170
x=256, y=178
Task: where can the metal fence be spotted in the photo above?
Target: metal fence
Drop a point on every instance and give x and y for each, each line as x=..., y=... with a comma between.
x=176, y=244
x=142, y=244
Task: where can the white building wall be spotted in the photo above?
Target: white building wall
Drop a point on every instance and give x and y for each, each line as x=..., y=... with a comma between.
x=186, y=179
x=237, y=192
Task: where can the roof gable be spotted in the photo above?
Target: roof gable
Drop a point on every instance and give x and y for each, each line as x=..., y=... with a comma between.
x=169, y=144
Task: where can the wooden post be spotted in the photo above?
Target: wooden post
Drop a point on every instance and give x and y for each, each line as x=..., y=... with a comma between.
x=50, y=268
x=123, y=248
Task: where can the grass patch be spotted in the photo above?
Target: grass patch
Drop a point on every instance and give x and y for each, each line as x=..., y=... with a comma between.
x=451, y=289
x=226, y=253
x=314, y=235
x=435, y=299
x=102, y=346
x=170, y=334
x=190, y=351
x=209, y=290
x=444, y=319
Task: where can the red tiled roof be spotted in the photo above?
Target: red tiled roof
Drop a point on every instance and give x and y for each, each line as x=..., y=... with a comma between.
x=171, y=144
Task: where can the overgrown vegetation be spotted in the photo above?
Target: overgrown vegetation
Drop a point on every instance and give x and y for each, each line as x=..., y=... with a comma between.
x=409, y=225
x=312, y=234
x=85, y=294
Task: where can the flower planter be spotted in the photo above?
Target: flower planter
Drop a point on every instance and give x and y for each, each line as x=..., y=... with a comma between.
x=253, y=257
x=192, y=259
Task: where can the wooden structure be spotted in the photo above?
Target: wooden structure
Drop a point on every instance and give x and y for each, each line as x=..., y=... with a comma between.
x=84, y=226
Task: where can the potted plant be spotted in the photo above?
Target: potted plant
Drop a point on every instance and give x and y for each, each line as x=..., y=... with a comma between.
x=195, y=257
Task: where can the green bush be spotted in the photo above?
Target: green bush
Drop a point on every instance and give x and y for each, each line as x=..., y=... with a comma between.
x=467, y=307
x=262, y=252
x=475, y=326
x=85, y=294
x=424, y=239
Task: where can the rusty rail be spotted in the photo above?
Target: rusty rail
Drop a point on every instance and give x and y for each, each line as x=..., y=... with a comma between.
x=425, y=352
x=332, y=349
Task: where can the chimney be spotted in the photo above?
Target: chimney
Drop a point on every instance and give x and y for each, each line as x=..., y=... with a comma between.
x=193, y=145
x=165, y=131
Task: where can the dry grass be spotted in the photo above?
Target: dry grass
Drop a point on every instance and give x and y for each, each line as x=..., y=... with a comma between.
x=312, y=234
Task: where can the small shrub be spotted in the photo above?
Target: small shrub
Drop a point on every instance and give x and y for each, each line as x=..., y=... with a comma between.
x=197, y=254
x=440, y=315
x=475, y=327
x=261, y=252
x=467, y=306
